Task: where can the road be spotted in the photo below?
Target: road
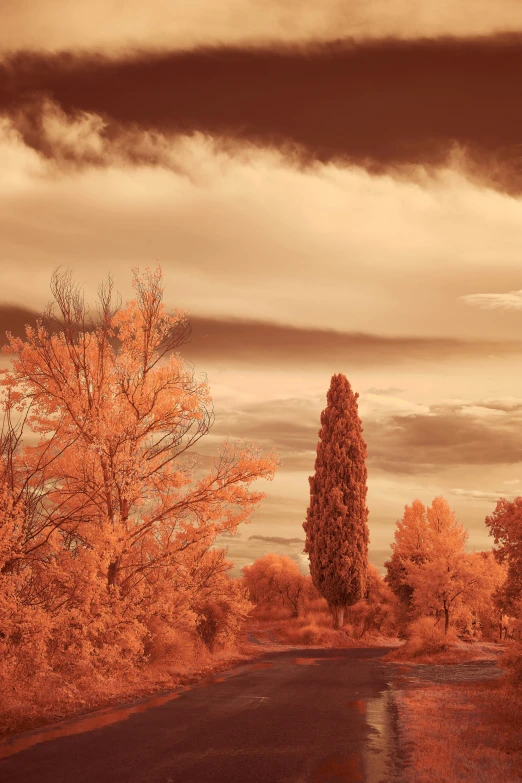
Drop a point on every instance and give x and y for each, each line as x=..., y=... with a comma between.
x=297, y=716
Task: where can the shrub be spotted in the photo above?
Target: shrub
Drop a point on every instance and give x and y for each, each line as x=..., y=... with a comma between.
x=511, y=661
x=426, y=637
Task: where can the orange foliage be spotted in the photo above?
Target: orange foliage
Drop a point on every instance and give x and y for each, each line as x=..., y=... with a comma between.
x=107, y=523
x=336, y=523
x=426, y=637
x=377, y=613
x=409, y=546
x=465, y=731
x=305, y=618
x=433, y=573
x=276, y=580
x=505, y=525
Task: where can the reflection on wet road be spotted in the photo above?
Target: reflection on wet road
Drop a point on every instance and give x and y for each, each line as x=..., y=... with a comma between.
x=307, y=716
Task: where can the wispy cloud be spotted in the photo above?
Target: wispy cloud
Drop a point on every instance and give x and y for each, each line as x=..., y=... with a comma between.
x=277, y=540
x=476, y=494
x=116, y=28
x=99, y=198
x=449, y=435
x=243, y=342
x=512, y=300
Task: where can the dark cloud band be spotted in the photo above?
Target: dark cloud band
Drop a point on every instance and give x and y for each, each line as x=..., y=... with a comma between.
x=277, y=540
x=244, y=342
x=385, y=103
x=257, y=342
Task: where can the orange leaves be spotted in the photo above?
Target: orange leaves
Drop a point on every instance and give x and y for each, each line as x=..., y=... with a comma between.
x=116, y=520
x=336, y=524
x=276, y=579
x=430, y=565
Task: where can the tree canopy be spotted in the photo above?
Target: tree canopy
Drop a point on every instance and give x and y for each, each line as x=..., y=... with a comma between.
x=336, y=524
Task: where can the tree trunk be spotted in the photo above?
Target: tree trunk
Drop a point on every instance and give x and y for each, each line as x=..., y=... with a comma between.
x=446, y=619
x=337, y=611
x=112, y=573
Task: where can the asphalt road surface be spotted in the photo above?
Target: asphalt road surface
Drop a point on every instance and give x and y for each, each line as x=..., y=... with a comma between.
x=298, y=716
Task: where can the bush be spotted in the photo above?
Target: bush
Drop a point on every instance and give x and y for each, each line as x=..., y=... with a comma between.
x=511, y=661
x=308, y=631
x=425, y=636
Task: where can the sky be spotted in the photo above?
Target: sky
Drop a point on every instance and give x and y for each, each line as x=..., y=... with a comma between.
x=328, y=187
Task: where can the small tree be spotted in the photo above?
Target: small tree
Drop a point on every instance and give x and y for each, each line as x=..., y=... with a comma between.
x=409, y=546
x=442, y=575
x=377, y=612
x=275, y=579
x=505, y=525
x=336, y=524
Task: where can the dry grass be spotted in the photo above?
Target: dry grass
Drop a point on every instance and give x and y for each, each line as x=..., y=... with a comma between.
x=457, y=652
x=465, y=733
x=50, y=698
x=312, y=628
x=428, y=644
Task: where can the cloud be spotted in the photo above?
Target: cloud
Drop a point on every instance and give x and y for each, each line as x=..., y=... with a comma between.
x=377, y=406
x=393, y=390
x=227, y=535
x=448, y=436
x=243, y=342
x=284, y=247
x=512, y=300
x=257, y=342
x=245, y=552
x=476, y=494
x=106, y=25
x=14, y=319
x=291, y=427
x=304, y=563
x=82, y=139
x=277, y=540
x=82, y=108
x=403, y=436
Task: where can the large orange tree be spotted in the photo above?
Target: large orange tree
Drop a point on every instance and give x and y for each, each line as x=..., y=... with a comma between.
x=113, y=517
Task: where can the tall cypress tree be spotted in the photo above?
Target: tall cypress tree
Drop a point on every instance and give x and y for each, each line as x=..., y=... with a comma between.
x=336, y=522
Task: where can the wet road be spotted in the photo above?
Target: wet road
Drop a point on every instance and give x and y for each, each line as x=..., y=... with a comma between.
x=298, y=716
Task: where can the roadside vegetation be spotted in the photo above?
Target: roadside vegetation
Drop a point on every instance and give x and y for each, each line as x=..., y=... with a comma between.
x=467, y=732
x=111, y=584
x=109, y=579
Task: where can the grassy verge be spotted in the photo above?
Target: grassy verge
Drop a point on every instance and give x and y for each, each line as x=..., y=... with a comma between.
x=27, y=706
x=313, y=628
x=467, y=732
x=51, y=698
x=457, y=652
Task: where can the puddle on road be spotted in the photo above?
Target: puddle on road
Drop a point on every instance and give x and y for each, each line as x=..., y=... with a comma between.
x=378, y=753
x=340, y=769
x=358, y=704
x=258, y=666
x=417, y=675
x=313, y=661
